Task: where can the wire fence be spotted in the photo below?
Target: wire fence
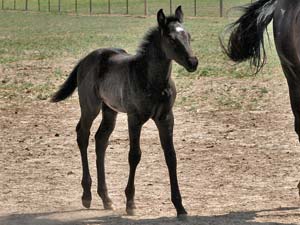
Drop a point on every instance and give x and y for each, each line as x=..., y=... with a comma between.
x=129, y=7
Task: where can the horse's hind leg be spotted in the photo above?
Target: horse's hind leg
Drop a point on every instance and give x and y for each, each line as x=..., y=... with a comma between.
x=134, y=157
x=88, y=114
x=294, y=90
x=106, y=128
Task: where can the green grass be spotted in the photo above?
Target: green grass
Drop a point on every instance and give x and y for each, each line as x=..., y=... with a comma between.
x=44, y=37
x=136, y=7
x=28, y=36
x=41, y=36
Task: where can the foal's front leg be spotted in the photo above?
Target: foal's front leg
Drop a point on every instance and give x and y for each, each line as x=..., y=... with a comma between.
x=134, y=126
x=165, y=127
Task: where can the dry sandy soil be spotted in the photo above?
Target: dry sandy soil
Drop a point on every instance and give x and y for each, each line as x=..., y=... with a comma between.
x=236, y=165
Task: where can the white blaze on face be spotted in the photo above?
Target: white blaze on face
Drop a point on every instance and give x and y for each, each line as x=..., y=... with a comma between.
x=179, y=29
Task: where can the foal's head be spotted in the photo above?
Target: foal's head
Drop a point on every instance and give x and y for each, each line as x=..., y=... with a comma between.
x=175, y=40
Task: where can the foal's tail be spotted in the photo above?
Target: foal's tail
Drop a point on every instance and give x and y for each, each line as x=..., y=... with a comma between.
x=67, y=88
x=246, y=41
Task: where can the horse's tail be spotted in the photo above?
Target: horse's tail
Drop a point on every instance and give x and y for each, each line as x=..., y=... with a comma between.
x=246, y=41
x=67, y=88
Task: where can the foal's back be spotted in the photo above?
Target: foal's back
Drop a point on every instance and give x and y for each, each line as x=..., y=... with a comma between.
x=100, y=62
x=103, y=76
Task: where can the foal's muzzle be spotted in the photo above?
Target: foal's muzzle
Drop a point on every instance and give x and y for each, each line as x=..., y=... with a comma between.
x=192, y=64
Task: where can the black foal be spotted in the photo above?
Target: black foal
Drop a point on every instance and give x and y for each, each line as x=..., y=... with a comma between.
x=139, y=85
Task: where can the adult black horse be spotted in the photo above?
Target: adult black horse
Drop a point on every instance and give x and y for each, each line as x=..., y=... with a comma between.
x=246, y=42
x=139, y=85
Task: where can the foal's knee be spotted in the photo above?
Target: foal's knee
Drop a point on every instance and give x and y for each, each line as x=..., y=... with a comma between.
x=134, y=156
x=170, y=156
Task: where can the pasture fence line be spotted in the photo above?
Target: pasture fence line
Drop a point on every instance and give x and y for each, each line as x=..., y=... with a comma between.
x=221, y=8
x=195, y=7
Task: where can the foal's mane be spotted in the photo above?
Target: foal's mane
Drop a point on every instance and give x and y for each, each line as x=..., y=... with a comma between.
x=153, y=34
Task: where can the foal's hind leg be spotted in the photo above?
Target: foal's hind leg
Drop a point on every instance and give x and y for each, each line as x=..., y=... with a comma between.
x=88, y=115
x=106, y=128
x=134, y=157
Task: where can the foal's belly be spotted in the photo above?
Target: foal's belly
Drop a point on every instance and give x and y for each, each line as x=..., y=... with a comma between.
x=111, y=91
x=115, y=107
x=112, y=97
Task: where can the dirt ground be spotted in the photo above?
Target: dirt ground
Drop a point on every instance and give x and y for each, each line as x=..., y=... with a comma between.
x=236, y=166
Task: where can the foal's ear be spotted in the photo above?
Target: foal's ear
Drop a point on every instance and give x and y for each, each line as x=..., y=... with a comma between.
x=179, y=14
x=161, y=18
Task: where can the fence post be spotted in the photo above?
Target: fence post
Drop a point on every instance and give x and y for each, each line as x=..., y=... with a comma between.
x=145, y=8
x=26, y=5
x=58, y=5
x=109, y=10
x=91, y=7
x=171, y=7
x=39, y=5
x=15, y=5
x=127, y=7
x=76, y=6
x=49, y=6
x=195, y=7
x=2, y=5
x=221, y=8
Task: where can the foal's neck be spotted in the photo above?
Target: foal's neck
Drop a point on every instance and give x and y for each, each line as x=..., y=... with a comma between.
x=158, y=66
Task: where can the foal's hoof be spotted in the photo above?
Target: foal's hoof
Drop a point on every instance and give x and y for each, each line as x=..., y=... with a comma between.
x=130, y=211
x=130, y=208
x=182, y=214
x=86, y=203
x=108, y=206
x=182, y=217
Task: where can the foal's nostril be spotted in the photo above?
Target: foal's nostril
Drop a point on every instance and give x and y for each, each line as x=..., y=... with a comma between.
x=193, y=62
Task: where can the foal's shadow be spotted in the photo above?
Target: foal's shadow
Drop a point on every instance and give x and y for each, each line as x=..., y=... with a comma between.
x=89, y=218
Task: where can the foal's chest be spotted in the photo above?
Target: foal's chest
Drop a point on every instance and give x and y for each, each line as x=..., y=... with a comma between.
x=162, y=102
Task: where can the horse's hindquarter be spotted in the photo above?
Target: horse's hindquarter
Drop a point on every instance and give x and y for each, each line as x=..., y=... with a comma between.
x=286, y=26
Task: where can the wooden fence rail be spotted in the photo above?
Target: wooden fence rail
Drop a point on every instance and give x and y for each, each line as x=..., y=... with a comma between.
x=28, y=5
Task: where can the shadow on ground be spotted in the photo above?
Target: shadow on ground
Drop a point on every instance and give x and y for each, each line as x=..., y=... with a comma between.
x=87, y=217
